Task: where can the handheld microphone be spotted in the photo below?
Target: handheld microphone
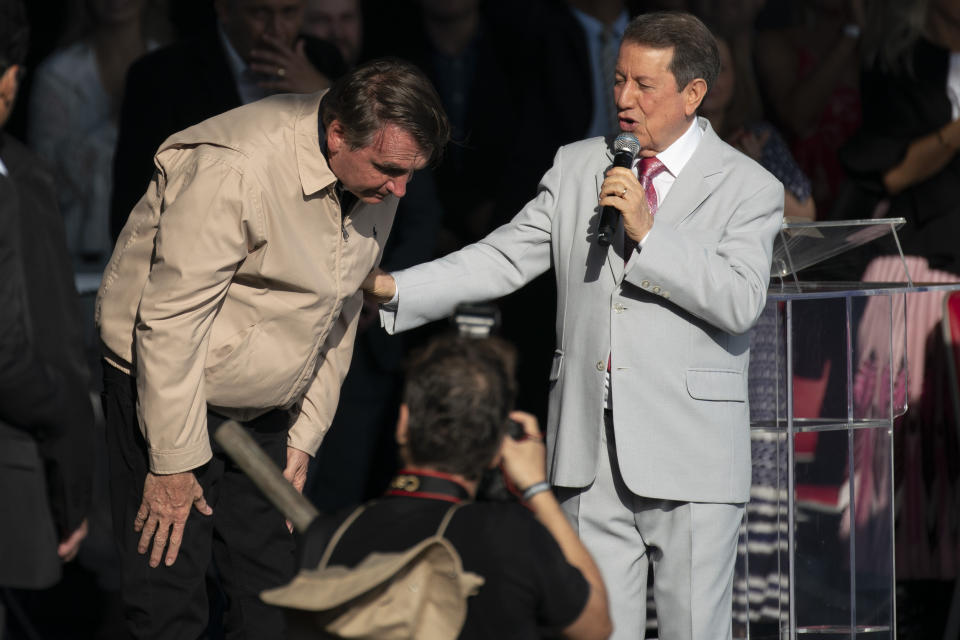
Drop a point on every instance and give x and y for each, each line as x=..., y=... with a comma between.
x=626, y=147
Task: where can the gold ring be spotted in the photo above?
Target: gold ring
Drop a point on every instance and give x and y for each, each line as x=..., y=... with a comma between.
x=281, y=72
x=624, y=192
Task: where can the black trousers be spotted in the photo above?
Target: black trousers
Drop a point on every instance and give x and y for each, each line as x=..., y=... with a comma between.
x=243, y=548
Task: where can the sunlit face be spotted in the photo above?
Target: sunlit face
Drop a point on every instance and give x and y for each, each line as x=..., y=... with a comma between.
x=721, y=93
x=383, y=167
x=338, y=22
x=246, y=22
x=649, y=103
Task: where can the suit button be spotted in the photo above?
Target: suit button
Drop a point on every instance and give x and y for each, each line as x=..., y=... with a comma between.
x=666, y=295
x=601, y=365
x=656, y=289
x=645, y=284
x=618, y=308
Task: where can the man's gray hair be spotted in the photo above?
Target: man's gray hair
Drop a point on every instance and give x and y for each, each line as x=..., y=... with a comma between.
x=695, y=53
x=388, y=91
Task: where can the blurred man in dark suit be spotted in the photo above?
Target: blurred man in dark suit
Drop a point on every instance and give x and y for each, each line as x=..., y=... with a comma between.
x=339, y=22
x=254, y=50
x=46, y=418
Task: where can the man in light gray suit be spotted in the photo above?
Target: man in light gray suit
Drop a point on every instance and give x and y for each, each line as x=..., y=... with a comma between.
x=648, y=434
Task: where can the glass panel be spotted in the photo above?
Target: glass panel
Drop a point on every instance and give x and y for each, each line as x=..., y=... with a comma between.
x=880, y=357
x=797, y=540
x=820, y=365
x=791, y=290
x=873, y=544
x=767, y=373
x=802, y=244
x=761, y=587
x=822, y=578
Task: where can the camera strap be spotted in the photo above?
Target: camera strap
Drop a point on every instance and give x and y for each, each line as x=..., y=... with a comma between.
x=434, y=485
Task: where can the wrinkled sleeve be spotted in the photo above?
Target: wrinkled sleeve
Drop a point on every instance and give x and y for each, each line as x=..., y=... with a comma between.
x=320, y=402
x=725, y=285
x=210, y=219
x=508, y=257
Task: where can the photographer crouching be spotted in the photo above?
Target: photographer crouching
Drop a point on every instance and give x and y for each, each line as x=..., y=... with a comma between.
x=537, y=577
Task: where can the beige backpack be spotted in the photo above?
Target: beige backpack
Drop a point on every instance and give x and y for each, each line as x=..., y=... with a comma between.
x=418, y=593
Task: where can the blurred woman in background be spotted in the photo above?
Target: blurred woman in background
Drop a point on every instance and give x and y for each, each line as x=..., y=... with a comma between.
x=73, y=108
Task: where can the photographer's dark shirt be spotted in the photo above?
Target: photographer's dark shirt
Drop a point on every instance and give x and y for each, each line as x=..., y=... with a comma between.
x=531, y=591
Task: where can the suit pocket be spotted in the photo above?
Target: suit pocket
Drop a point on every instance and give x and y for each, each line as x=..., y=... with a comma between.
x=557, y=365
x=716, y=384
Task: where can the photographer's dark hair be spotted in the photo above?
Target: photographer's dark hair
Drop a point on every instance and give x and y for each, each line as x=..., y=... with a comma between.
x=459, y=392
x=388, y=91
x=14, y=33
x=695, y=53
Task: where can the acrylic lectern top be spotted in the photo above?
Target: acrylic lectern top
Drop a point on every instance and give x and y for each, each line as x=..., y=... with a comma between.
x=802, y=244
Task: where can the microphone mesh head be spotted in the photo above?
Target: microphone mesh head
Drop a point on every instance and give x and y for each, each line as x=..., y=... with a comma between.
x=626, y=142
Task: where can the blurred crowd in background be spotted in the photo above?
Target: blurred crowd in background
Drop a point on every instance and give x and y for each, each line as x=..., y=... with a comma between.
x=852, y=104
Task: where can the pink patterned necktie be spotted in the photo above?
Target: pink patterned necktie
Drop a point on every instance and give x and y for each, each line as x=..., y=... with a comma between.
x=649, y=168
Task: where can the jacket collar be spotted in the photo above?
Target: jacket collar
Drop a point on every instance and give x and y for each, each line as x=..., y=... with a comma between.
x=697, y=179
x=693, y=180
x=315, y=173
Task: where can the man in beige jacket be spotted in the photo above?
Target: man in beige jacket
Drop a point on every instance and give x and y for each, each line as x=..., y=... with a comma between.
x=233, y=292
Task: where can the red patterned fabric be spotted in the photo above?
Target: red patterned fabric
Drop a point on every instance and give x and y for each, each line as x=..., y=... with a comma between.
x=649, y=168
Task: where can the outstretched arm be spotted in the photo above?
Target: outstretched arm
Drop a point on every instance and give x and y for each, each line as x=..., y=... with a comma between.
x=379, y=286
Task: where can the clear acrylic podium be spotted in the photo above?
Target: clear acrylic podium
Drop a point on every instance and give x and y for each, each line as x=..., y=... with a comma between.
x=817, y=553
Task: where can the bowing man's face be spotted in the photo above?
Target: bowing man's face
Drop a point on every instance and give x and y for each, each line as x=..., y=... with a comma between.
x=379, y=169
x=650, y=105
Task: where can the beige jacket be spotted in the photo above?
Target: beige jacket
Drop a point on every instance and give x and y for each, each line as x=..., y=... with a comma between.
x=235, y=281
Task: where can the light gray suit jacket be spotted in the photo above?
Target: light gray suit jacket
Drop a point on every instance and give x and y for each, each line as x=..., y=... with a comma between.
x=676, y=319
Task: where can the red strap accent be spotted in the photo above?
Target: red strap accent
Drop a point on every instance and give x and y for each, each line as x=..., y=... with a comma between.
x=424, y=494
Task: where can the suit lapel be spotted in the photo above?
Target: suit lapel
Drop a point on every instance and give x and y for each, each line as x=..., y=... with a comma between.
x=614, y=258
x=696, y=181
